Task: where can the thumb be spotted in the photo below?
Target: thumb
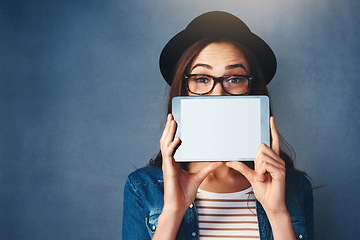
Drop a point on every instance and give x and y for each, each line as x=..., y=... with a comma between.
x=250, y=174
x=205, y=171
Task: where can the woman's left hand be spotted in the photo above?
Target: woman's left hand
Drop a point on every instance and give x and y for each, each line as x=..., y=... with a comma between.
x=268, y=178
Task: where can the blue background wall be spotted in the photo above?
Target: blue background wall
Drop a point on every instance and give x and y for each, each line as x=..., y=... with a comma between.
x=82, y=104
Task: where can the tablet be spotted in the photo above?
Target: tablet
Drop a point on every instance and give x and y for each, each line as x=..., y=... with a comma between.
x=220, y=128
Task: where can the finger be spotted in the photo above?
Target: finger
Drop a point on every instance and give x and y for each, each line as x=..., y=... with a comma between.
x=275, y=140
x=173, y=145
x=244, y=170
x=170, y=135
x=265, y=162
x=264, y=149
x=257, y=162
x=167, y=152
x=168, y=159
x=275, y=172
x=269, y=159
x=205, y=171
x=166, y=129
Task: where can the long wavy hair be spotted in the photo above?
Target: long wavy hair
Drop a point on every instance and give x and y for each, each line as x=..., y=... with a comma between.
x=257, y=87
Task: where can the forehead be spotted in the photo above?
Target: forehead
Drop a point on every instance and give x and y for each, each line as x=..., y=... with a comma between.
x=220, y=55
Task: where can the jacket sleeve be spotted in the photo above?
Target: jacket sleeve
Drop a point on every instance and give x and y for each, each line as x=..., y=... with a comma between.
x=309, y=209
x=134, y=214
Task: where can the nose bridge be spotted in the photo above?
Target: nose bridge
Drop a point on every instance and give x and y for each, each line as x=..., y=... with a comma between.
x=218, y=89
x=218, y=79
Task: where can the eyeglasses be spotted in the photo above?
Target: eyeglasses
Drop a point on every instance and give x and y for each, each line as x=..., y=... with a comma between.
x=201, y=84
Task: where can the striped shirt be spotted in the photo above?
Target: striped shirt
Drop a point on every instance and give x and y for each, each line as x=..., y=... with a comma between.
x=227, y=215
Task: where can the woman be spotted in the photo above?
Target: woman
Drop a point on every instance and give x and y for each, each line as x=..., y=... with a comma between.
x=219, y=200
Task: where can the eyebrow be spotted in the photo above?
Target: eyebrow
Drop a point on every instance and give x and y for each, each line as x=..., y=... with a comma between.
x=235, y=66
x=201, y=65
x=229, y=67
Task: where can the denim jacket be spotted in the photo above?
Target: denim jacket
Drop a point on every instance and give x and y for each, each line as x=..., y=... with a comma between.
x=143, y=203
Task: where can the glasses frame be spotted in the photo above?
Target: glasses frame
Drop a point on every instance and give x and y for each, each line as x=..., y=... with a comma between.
x=217, y=79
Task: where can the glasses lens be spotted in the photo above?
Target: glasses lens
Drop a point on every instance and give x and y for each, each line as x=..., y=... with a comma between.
x=200, y=84
x=236, y=84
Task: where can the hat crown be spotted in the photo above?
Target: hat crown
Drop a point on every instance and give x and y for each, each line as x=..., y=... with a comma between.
x=218, y=22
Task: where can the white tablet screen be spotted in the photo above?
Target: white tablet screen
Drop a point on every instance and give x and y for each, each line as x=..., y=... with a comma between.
x=218, y=128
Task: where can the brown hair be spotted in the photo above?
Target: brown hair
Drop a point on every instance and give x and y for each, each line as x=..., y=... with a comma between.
x=257, y=87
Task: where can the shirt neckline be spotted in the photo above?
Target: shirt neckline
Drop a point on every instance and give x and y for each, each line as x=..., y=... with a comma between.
x=243, y=192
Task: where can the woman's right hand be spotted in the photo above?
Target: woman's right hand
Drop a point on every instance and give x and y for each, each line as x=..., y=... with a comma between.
x=180, y=186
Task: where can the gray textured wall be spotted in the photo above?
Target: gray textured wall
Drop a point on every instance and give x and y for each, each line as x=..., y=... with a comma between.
x=82, y=105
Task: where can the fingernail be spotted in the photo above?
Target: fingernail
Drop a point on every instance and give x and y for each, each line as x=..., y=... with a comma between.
x=261, y=178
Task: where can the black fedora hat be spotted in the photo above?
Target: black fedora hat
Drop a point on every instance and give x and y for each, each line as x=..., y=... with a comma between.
x=216, y=24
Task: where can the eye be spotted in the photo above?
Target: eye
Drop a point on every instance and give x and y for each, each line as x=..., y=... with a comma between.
x=235, y=80
x=201, y=79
